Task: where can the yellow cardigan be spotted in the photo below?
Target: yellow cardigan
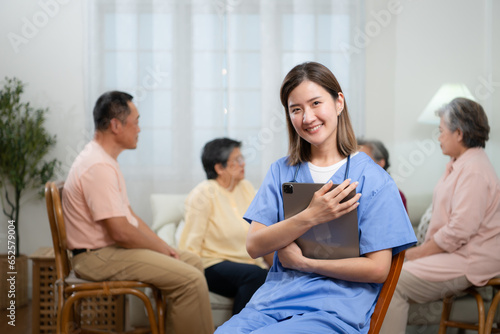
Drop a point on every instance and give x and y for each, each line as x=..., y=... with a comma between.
x=215, y=229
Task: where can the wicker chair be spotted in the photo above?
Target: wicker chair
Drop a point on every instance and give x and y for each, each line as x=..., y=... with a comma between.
x=71, y=290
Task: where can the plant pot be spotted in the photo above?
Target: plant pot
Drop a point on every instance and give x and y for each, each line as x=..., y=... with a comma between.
x=14, y=287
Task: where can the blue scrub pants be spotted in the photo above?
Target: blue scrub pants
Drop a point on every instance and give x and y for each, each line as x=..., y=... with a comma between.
x=235, y=280
x=252, y=321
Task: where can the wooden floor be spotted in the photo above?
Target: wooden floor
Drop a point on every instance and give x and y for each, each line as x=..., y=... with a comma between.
x=23, y=321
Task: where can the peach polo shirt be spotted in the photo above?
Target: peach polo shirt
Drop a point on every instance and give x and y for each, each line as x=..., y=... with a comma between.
x=94, y=190
x=465, y=222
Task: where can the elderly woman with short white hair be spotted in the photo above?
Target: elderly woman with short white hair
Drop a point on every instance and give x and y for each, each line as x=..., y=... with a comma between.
x=461, y=244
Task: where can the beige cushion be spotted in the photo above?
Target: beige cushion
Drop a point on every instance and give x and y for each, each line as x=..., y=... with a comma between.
x=168, y=211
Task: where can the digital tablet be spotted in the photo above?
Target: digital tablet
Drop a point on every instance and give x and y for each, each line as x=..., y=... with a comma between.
x=336, y=239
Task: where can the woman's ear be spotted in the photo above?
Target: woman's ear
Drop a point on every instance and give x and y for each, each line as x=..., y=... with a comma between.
x=219, y=169
x=460, y=135
x=339, y=103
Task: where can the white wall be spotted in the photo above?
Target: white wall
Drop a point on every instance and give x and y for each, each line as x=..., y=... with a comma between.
x=425, y=44
x=51, y=63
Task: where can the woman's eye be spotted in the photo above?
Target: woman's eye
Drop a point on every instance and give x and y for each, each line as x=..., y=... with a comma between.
x=315, y=103
x=295, y=110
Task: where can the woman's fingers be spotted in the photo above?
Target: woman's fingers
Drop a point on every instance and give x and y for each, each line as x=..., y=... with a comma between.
x=332, y=192
x=328, y=205
x=349, y=205
x=324, y=189
x=342, y=191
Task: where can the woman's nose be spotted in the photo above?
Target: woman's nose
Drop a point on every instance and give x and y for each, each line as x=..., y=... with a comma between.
x=308, y=116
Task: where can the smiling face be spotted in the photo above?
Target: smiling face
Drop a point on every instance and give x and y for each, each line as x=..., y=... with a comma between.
x=313, y=113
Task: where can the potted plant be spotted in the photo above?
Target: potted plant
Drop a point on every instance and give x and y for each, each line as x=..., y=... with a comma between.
x=24, y=144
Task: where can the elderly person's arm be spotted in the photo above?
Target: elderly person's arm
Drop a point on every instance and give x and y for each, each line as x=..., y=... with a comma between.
x=426, y=249
x=467, y=212
x=144, y=228
x=128, y=236
x=198, y=208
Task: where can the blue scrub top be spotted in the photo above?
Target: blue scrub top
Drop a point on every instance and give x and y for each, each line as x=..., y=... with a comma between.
x=383, y=224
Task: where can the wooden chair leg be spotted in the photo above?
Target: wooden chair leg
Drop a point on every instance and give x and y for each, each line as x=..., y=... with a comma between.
x=445, y=314
x=491, y=313
x=149, y=309
x=68, y=322
x=480, y=310
x=59, y=321
x=160, y=308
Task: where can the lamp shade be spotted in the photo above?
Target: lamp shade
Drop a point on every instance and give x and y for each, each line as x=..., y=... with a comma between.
x=445, y=94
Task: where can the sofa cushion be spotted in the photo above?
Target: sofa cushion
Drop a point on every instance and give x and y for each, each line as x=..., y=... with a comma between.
x=168, y=211
x=220, y=302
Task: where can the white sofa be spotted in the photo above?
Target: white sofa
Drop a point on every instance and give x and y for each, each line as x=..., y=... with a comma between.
x=168, y=221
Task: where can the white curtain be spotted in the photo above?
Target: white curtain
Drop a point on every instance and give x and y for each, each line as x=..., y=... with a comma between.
x=201, y=69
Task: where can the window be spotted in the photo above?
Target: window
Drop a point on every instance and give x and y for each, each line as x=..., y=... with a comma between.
x=202, y=69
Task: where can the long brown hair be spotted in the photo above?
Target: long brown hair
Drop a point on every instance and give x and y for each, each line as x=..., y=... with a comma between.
x=299, y=150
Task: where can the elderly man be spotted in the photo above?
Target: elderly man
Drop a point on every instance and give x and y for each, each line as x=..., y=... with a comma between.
x=108, y=240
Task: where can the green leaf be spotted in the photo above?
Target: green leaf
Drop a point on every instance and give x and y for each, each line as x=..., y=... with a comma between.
x=24, y=143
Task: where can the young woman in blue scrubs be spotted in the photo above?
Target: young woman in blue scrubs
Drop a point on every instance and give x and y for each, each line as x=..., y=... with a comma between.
x=303, y=295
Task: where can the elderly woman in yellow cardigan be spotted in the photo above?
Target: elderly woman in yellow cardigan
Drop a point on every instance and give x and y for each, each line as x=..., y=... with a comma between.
x=215, y=228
